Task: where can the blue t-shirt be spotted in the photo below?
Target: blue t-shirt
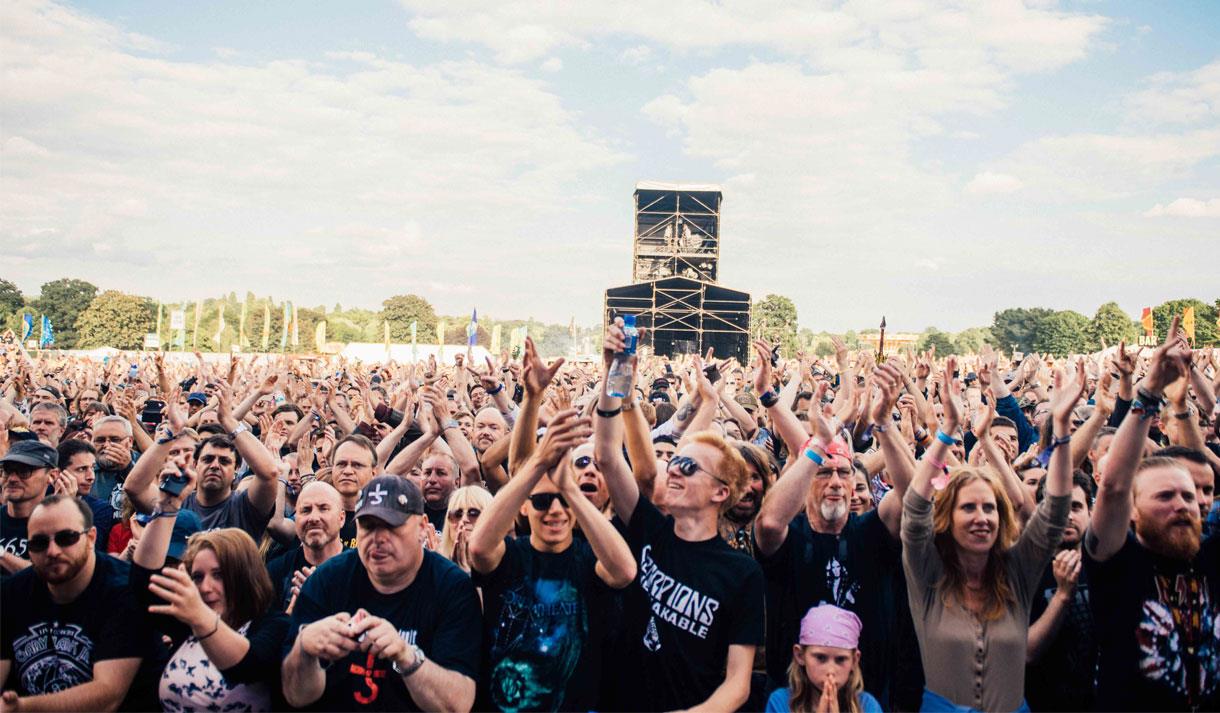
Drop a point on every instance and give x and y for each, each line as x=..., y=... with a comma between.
x=778, y=702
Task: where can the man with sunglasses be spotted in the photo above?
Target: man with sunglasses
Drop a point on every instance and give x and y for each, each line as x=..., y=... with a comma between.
x=545, y=595
x=589, y=476
x=695, y=615
x=814, y=550
x=72, y=635
x=29, y=469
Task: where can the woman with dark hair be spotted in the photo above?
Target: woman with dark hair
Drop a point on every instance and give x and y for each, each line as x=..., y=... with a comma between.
x=216, y=608
x=971, y=572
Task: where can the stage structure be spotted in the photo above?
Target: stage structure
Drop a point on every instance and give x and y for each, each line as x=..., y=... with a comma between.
x=675, y=263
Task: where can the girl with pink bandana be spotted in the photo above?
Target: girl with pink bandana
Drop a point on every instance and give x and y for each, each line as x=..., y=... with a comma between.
x=824, y=676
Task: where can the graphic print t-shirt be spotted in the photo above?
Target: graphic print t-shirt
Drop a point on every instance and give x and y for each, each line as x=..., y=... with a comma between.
x=1062, y=678
x=13, y=537
x=438, y=612
x=542, y=627
x=859, y=570
x=688, y=604
x=1159, y=648
x=53, y=647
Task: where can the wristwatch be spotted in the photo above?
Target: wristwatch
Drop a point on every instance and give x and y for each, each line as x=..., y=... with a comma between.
x=418, y=653
x=452, y=423
x=241, y=428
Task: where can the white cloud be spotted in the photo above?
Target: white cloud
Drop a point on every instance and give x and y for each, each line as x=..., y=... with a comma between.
x=987, y=183
x=1178, y=97
x=635, y=55
x=1186, y=208
x=551, y=64
x=113, y=158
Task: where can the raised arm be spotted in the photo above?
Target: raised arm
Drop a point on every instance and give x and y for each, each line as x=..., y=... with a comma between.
x=264, y=465
x=1112, y=511
x=536, y=376
x=1016, y=490
x=608, y=434
x=899, y=461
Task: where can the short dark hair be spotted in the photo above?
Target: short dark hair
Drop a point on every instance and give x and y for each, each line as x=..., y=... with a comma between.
x=665, y=439
x=71, y=448
x=1080, y=479
x=285, y=408
x=213, y=428
x=85, y=512
x=220, y=441
x=359, y=440
x=1183, y=453
x=665, y=411
x=1004, y=421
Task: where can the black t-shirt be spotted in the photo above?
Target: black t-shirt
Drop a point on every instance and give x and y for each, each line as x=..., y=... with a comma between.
x=688, y=604
x=1159, y=646
x=859, y=570
x=1062, y=677
x=281, y=569
x=438, y=612
x=237, y=510
x=543, y=628
x=13, y=536
x=437, y=518
x=53, y=647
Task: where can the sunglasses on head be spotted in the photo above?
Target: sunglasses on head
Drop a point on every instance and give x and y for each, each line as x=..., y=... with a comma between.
x=582, y=461
x=63, y=539
x=688, y=466
x=470, y=513
x=542, y=501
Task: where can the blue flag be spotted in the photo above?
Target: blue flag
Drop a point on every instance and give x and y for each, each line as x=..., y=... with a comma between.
x=472, y=329
x=29, y=327
x=48, y=334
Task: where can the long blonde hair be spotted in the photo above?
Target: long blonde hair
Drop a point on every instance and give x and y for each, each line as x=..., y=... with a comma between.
x=803, y=695
x=997, y=593
x=462, y=498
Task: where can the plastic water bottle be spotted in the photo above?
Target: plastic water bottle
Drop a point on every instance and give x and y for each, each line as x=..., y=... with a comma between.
x=619, y=379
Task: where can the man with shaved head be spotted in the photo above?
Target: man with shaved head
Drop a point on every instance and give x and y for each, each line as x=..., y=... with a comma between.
x=319, y=518
x=1156, y=586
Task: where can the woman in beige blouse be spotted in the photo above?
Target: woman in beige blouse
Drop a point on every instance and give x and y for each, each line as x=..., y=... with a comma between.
x=971, y=572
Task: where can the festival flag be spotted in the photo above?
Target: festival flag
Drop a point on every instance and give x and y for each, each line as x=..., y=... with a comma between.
x=296, y=327
x=266, y=324
x=29, y=327
x=386, y=325
x=241, y=326
x=287, y=321
x=48, y=334
x=159, y=306
x=1188, y=323
x=440, y=339
x=198, y=318
x=319, y=336
x=414, y=344
x=1146, y=321
x=495, y=339
x=472, y=329
x=572, y=327
x=220, y=324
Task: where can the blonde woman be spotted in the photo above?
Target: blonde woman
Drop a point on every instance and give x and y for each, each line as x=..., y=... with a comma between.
x=465, y=506
x=824, y=676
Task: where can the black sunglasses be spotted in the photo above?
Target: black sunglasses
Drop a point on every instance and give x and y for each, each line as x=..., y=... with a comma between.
x=542, y=501
x=688, y=466
x=470, y=513
x=63, y=539
x=583, y=461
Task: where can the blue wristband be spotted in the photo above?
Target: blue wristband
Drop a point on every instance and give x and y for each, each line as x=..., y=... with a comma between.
x=945, y=438
x=811, y=455
x=498, y=389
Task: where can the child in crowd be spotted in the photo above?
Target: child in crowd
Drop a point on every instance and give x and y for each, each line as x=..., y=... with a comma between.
x=824, y=676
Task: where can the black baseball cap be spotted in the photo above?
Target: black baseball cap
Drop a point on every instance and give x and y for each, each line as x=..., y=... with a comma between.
x=390, y=498
x=32, y=453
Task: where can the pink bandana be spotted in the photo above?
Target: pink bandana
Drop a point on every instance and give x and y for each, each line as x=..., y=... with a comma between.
x=828, y=625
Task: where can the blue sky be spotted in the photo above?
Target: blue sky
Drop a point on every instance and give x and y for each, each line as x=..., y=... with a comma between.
x=932, y=161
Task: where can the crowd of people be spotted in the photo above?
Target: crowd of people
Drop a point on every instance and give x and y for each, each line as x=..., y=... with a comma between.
x=783, y=533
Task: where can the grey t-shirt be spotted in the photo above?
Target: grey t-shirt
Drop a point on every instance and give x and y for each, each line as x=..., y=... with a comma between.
x=235, y=511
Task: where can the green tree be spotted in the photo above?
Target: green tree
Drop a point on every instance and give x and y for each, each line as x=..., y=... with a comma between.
x=774, y=319
x=1111, y=325
x=62, y=301
x=971, y=341
x=1019, y=326
x=115, y=319
x=401, y=310
x=11, y=298
x=1205, y=319
x=933, y=337
x=1062, y=333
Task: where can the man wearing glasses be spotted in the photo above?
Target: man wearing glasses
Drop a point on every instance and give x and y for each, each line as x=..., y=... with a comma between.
x=545, y=595
x=29, y=468
x=695, y=616
x=72, y=634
